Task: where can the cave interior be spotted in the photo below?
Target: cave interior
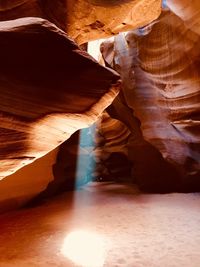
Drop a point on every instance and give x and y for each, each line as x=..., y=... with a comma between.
x=100, y=133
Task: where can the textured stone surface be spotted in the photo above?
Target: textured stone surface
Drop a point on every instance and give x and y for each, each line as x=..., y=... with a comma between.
x=19, y=188
x=95, y=19
x=95, y=153
x=161, y=103
x=188, y=11
x=163, y=120
x=86, y=20
x=19, y=8
x=48, y=89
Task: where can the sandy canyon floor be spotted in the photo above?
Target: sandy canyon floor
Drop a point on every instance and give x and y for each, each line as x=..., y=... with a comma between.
x=104, y=224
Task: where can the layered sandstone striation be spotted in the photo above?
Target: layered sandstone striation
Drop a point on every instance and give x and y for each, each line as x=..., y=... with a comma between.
x=97, y=153
x=160, y=102
x=188, y=11
x=48, y=87
x=48, y=90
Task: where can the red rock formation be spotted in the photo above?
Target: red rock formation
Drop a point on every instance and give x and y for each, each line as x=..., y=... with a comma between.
x=188, y=11
x=33, y=87
x=19, y=188
x=161, y=88
x=86, y=20
x=48, y=90
x=111, y=157
x=95, y=19
x=95, y=153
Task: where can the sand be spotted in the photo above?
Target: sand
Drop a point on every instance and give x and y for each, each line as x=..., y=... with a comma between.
x=139, y=230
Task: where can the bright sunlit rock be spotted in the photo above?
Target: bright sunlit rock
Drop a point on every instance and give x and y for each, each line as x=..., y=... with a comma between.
x=85, y=248
x=94, y=48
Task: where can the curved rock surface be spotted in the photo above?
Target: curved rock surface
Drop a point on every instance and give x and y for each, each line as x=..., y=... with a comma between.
x=95, y=19
x=188, y=11
x=97, y=153
x=48, y=89
x=161, y=89
x=86, y=20
x=25, y=184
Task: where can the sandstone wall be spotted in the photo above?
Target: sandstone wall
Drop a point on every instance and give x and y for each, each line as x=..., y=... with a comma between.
x=161, y=94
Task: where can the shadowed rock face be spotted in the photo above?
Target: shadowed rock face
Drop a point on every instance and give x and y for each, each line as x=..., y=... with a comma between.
x=98, y=153
x=19, y=8
x=86, y=20
x=95, y=153
x=108, y=2
x=48, y=89
x=161, y=88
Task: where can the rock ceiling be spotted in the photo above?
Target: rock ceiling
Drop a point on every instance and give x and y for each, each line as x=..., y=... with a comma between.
x=86, y=20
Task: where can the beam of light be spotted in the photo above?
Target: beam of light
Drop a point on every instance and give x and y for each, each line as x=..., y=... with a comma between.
x=85, y=165
x=85, y=248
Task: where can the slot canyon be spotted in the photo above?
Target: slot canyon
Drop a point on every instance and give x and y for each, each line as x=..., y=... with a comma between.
x=99, y=133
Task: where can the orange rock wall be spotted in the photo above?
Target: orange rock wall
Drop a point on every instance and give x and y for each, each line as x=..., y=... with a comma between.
x=161, y=88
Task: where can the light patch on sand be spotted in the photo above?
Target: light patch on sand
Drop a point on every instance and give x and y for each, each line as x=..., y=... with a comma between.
x=85, y=248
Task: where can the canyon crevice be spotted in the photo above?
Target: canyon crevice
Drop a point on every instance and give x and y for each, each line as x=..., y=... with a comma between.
x=142, y=108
